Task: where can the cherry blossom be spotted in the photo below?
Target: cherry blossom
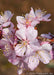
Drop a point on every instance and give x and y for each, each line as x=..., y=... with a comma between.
x=51, y=37
x=33, y=18
x=21, y=45
x=26, y=36
x=6, y=26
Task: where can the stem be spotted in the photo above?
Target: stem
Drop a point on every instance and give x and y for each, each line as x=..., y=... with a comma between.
x=45, y=39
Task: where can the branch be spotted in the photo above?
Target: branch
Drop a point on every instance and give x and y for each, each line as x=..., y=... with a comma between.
x=45, y=39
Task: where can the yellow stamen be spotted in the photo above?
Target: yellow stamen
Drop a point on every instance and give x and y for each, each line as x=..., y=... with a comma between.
x=24, y=44
x=27, y=22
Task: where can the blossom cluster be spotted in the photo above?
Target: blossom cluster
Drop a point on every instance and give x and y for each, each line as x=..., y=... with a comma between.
x=21, y=45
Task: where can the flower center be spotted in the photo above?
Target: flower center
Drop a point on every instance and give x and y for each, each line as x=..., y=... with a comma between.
x=25, y=43
x=28, y=23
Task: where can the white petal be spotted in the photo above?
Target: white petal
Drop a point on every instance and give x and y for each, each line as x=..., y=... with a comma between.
x=21, y=26
x=5, y=31
x=44, y=56
x=21, y=33
x=46, y=17
x=31, y=33
x=47, y=47
x=6, y=24
x=35, y=45
x=20, y=19
x=13, y=60
x=35, y=22
x=27, y=16
x=8, y=15
x=2, y=20
x=33, y=62
x=31, y=15
x=39, y=13
x=29, y=50
x=20, y=50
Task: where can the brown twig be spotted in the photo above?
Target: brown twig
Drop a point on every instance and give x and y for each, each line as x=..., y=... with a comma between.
x=45, y=39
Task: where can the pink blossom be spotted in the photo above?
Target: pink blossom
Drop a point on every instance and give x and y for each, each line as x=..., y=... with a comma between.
x=40, y=15
x=5, y=18
x=5, y=31
x=21, y=47
x=42, y=54
x=31, y=48
x=5, y=22
x=51, y=37
x=32, y=18
x=26, y=36
x=8, y=50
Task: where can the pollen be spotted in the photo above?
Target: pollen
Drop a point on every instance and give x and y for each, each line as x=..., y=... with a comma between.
x=27, y=22
x=24, y=44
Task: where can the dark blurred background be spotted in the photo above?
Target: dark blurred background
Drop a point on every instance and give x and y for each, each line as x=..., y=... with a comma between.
x=21, y=7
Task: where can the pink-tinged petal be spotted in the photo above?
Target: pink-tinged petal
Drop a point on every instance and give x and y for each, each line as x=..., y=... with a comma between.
x=6, y=24
x=6, y=47
x=31, y=15
x=32, y=12
x=3, y=41
x=31, y=33
x=44, y=42
x=8, y=15
x=7, y=34
x=34, y=23
x=11, y=25
x=2, y=20
x=47, y=47
x=20, y=50
x=12, y=29
x=7, y=50
x=33, y=62
x=21, y=26
x=29, y=50
x=35, y=45
x=21, y=33
x=5, y=17
x=44, y=56
x=1, y=28
x=20, y=20
x=5, y=31
x=45, y=18
x=51, y=54
x=49, y=35
x=26, y=16
x=13, y=59
x=39, y=13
